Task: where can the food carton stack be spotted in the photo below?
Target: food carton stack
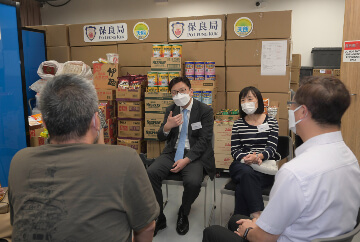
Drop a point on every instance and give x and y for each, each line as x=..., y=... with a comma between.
x=130, y=108
x=295, y=72
x=222, y=143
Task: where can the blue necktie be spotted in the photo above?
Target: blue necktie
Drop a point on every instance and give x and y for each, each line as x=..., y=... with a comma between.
x=181, y=145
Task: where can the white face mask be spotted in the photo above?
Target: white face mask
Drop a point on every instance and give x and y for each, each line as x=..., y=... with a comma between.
x=181, y=99
x=249, y=107
x=292, y=123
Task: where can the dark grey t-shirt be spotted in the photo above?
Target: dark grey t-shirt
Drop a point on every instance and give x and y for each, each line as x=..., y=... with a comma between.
x=79, y=192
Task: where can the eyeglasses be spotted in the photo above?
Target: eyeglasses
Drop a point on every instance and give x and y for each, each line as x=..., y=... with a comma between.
x=181, y=90
x=289, y=103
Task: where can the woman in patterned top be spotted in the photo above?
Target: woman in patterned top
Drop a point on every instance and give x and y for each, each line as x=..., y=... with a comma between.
x=254, y=140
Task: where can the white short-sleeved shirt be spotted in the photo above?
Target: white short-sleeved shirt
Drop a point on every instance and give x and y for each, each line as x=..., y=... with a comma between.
x=315, y=195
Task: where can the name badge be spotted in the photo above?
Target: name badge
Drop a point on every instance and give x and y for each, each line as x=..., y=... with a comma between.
x=196, y=126
x=263, y=127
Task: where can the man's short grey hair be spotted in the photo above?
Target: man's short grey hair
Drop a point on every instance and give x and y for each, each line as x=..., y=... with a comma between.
x=68, y=104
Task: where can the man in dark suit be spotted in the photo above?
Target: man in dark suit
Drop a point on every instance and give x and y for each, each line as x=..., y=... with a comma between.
x=188, y=129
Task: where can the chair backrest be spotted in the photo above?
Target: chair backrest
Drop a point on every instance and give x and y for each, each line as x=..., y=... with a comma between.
x=348, y=237
x=284, y=147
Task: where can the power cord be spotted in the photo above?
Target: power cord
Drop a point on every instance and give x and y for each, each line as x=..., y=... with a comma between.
x=58, y=5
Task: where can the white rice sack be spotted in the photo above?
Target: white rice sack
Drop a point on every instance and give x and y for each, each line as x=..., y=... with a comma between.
x=48, y=69
x=38, y=85
x=77, y=68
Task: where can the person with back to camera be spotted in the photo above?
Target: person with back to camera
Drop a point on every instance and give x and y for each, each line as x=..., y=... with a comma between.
x=316, y=194
x=188, y=129
x=75, y=189
x=253, y=141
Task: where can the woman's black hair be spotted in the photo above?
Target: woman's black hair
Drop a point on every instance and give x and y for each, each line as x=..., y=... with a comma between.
x=257, y=94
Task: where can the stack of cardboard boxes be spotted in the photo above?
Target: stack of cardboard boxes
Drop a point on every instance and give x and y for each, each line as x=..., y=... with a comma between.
x=295, y=72
x=130, y=107
x=327, y=72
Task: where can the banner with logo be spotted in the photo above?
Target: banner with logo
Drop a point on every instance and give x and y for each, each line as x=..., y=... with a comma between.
x=105, y=32
x=141, y=30
x=195, y=29
x=243, y=27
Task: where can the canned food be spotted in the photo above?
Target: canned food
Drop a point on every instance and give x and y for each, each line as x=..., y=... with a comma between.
x=176, y=50
x=199, y=77
x=190, y=77
x=152, y=79
x=210, y=68
x=163, y=79
x=197, y=95
x=167, y=50
x=199, y=68
x=158, y=50
x=206, y=97
x=172, y=75
x=210, y=77
x=189, y=68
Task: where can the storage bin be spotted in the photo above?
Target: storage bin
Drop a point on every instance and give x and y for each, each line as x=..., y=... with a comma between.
x=326, y=58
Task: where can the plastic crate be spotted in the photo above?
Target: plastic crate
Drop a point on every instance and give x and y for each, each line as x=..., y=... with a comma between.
x=306, y=71
x=326, y=58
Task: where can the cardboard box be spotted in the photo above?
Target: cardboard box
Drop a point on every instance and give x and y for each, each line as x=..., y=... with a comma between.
x=153, y=149
x=105, y=94
x=294, y=86
x=60, y=53
x=88, y=54
x=132, y=110
x=135, y=54
x=283, y=127
x=150, y=133
x=248, y=52
x=157, y=105
x=282, y=98
x=296, y=61
x=322, y=72
x=227, y=117
x=153, y=119
x=105, y=75
x=130, y=129
x=166, y=64
x=181, y=19
x=136, y=144
x=76, y=35
x=108, y=108
x=156, y=30
x=158, y=95
x=220, y=101
x=36, y=132
x=238, y=78
x=220, y=79
x=204, y=51
x=336, y=72
x=262, y=25
x=222, y=132
x=57, y=35
x=37, y=141
x=223, y=161
x=295, y=75
x=110, y=131
x=203, y=85
x=134, y=70
x=125, y=94
x=222, y=146
x=37, y=27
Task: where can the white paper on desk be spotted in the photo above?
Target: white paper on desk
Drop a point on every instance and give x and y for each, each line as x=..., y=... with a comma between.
x=273, y=58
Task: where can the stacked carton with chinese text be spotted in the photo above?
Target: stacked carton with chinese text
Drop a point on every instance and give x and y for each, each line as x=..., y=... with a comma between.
x=203, y=40
x=222, y=143
x=295, y=72
x=130, y=108
x=259, y=55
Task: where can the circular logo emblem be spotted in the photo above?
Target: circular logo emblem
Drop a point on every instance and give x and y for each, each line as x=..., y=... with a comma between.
x=141, y=31
x=243, y=27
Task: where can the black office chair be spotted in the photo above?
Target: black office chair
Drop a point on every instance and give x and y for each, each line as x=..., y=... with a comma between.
x=284, y=148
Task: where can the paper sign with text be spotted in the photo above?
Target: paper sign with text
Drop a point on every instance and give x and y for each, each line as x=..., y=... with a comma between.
x=351, y=51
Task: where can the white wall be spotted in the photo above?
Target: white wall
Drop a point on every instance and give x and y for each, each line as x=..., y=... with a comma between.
x=315, y=23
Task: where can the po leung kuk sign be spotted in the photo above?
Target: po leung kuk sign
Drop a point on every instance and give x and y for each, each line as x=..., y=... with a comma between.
x=105, y=32
x=195, y=29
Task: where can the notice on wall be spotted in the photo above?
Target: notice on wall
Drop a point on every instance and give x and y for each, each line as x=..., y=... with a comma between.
x=351, y=51
x=273, y=58
x=105, y=32
x=195, y=29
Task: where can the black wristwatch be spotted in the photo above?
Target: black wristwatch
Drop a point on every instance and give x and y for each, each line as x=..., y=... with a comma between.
x=246, y=233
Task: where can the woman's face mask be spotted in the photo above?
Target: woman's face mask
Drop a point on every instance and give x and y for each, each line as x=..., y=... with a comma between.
x=249, y=107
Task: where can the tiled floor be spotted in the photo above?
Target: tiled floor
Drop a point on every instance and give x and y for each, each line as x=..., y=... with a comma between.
x=196, y=217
